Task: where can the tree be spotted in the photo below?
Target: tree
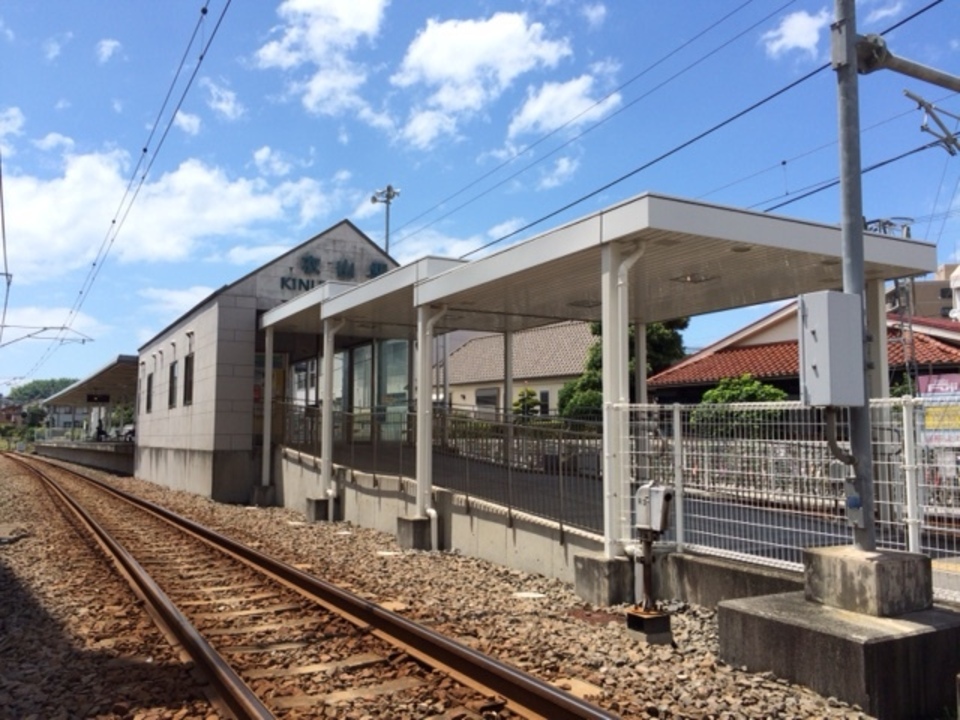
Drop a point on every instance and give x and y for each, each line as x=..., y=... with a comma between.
x=39, y=389
x=713, y=420
x=527, y=404
x=583, y=396
x=745, y=388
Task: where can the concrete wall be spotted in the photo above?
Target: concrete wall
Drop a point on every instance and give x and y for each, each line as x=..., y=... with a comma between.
x=486, y=530
x=112, y=457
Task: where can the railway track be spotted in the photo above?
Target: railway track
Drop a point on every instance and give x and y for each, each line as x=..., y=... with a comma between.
x=276, y=642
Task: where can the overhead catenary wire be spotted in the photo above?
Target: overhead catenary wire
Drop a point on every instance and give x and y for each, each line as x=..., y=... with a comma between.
x=599, y=123
x=138, y=178
x=676, y=149
x=570, y=121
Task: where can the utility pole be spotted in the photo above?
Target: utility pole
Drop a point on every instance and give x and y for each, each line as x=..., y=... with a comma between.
x=386, y=197
x=850, y=55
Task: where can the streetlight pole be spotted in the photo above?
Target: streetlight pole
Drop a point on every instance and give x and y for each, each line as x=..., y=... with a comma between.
x=386, y=197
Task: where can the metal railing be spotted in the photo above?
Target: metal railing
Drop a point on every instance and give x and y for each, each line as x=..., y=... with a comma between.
x=755, y=482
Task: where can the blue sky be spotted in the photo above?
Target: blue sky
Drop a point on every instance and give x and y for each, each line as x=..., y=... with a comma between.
x=487, y=115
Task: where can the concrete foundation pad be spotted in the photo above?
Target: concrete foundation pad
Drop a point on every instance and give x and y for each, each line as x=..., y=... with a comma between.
x=603, y=581
x=649, y=627
x=902, y=667
x=263, y=496
x=318, y=509
x=883, y=583
x=413, y=533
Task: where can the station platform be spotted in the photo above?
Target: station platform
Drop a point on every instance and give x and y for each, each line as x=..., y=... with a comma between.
x=114, y=457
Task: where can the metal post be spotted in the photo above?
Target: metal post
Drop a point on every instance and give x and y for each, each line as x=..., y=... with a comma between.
x=508, y=412
x=386, y=196
x=330, y=328
x=860, y=500
x=610, y=263
x=678, y=474
x=425, y=324
x=911, y=474
x=640, y=369
x=267, y=408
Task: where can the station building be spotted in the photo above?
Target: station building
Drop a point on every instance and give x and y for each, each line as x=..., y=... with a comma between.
x=200, y=380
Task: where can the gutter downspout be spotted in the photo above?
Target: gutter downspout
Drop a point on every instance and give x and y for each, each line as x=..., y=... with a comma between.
x=425, y=327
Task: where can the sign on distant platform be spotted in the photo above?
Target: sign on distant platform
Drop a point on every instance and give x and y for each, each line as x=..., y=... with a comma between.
x=97, y=398
x=941, y=409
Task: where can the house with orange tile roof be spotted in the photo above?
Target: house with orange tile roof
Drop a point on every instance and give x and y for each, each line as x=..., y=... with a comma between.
x=768, y=350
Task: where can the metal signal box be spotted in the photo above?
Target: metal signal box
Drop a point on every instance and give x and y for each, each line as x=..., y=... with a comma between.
x=652, y=507
x=831, y=349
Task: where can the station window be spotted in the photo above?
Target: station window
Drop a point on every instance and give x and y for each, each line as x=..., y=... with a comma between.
x=544, y=402
x=150, y=392
x=946, y=293
x=188, y=380
x=172, y=389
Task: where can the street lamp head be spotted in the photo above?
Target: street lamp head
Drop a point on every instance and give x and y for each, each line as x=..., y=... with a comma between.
x=373, y=199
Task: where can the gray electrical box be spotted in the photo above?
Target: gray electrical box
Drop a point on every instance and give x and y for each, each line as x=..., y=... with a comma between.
x=652, y=507
x=831, y=349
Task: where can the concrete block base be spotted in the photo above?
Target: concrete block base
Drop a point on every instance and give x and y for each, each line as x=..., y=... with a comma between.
x=263, y=496
x=413, y=533
x=603, y=581
x=650, y=627
x=880, y=583
x=904, y=667
x=318, y=509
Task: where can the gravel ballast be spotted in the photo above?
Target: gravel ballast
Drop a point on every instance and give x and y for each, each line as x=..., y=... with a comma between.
x=532, y=622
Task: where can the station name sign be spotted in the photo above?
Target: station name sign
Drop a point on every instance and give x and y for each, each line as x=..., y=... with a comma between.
x=97, y=398
x=343, y=269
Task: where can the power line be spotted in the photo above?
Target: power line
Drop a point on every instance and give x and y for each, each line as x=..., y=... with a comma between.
x=658, y=159
x=820, y=187
x=123, y=210
x=589, y=128
x=687, y=143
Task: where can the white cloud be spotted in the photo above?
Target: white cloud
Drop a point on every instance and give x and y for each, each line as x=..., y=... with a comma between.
x=184, y=211
x=190, y=124
x=173, y=303
x=554, y=105
x=254, y=255
x=561, y=171
x=5, y=32
x=12, y=121
x=222, y=100
x=271, y=162
x=505, y=228
x=425, y=126
x=321, y=34
x=62, y=104
x=106, y=49
x=427, y=242
x=595, y=14
x=884, y=12
x=52, y=47
x=467, y=64
x=797, y=31
x=116, y=105
x=52, y=141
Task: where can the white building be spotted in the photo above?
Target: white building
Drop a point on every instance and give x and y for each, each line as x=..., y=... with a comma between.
x=200, y=380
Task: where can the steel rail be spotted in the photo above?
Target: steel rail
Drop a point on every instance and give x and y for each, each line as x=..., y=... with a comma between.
x=229, y=686
x=526, y=695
